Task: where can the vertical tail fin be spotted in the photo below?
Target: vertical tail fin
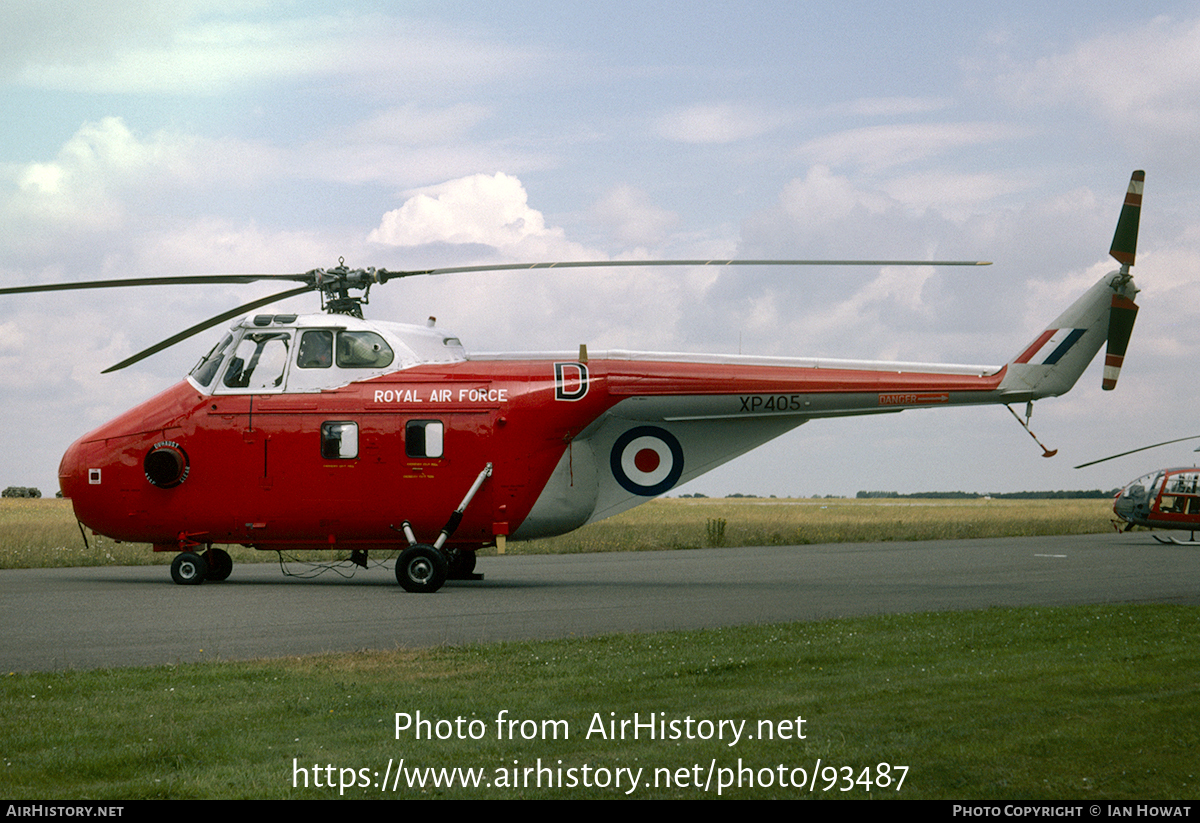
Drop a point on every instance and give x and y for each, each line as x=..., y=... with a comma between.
x=1050, y=365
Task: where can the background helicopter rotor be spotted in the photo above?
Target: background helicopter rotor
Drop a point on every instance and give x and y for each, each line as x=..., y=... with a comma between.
x=1135, y=451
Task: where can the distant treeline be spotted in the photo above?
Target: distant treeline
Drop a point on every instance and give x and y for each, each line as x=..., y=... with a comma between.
x=1059, y=495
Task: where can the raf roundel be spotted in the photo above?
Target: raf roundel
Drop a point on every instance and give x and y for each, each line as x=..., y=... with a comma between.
x=647, y=461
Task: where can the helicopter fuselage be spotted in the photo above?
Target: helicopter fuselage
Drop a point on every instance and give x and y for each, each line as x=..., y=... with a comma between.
x=318, y=432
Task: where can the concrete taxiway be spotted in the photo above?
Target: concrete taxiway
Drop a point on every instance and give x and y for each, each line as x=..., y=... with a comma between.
x=125, y=616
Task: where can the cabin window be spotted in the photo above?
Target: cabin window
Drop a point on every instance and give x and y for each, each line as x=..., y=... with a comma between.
x=316, y=350
x=259, y=362
x=423, y=438
x=339, y=440
x=1181, y=494
x=362, y=350
x=1184, y=483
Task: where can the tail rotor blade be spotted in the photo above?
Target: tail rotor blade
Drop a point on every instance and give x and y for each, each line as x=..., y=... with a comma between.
x=1120, y=328
x=1124, y=244
x=1124, y=310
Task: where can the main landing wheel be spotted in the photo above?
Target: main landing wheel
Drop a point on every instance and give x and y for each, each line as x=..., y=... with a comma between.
x=462, y=565
x=188, y=569
x=421, y=568
x=220, y=564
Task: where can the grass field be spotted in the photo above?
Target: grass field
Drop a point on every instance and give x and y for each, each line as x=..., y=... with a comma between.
x=43, y=533
x=1088, y=703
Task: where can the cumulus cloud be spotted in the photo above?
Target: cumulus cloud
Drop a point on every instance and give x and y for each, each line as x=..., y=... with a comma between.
x=491, y=210
x=82, y=187
x=824, y=214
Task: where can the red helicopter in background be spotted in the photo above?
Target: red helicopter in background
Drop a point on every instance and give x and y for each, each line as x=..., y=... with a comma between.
x=328, y=431
x=1161, y=499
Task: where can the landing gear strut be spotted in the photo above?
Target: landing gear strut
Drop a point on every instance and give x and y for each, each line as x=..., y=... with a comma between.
x=424, y=568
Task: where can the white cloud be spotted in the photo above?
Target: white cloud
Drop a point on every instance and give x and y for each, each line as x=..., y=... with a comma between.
x=823, y=198
x=82, y=186
x=955, y=195
x=492, y=210
x=204, y=50
x=632, y=218
x=217, y=245
x=824, y=214
x=877, y=148
x=1147, y=76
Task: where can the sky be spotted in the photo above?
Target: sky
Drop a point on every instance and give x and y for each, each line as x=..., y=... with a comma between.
x=151, y=138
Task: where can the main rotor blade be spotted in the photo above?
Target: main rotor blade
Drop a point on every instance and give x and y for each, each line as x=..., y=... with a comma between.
x=342, y=278
x=598, y=264
x=181, y=280
x=384, y=274
x=1135, y=451
x=207, y=324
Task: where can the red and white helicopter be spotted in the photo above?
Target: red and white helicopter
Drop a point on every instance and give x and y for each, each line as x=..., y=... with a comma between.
x=1162, y=499
x=329, y=431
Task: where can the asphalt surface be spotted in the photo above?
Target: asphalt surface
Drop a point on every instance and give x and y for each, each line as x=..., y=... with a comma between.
x=128, y=616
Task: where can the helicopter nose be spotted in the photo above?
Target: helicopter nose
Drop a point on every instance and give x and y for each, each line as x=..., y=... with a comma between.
x=72, y=471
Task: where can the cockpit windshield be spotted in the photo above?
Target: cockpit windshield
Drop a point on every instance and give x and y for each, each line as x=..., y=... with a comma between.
x=1146, y=483
x=206, y=369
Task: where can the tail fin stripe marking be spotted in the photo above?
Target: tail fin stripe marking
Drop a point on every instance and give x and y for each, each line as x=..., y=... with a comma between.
x=1060, y=339
x=1065, y=346
x=1028, y=354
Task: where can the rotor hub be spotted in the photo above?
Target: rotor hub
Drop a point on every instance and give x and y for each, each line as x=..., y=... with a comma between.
x=335, y=285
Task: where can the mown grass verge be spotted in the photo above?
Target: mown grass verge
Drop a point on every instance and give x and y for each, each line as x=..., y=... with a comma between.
x=43, y=533
x=1087, y=703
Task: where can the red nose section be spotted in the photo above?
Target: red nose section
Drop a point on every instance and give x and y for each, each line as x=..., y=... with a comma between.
x=110, y=473
x=72, y=474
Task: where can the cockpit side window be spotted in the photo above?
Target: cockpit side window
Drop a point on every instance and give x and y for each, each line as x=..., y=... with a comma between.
x=316, y=349
x=259, y=362
x=362, y=350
